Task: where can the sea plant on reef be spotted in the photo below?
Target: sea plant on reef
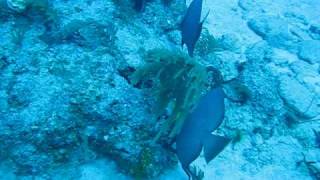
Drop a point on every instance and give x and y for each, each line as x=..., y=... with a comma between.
x=178, y=83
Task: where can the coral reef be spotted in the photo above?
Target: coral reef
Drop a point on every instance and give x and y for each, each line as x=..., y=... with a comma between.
x=81, y=82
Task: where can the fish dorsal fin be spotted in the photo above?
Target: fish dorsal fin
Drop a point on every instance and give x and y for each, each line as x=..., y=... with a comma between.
x=198, y=31
x=205, y=17
x=213, y=145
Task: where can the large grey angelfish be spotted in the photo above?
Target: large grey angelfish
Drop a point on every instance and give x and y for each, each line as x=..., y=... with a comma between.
x=191, y=26
x=196, y=133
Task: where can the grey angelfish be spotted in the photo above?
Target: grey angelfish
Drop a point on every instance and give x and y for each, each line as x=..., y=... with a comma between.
x=191, y=25
x=196, y=133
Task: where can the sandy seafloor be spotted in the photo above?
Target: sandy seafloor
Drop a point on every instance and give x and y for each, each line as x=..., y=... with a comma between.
x=43, y=78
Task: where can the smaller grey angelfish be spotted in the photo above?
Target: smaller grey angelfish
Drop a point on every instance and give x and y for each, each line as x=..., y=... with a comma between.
x=191, y=26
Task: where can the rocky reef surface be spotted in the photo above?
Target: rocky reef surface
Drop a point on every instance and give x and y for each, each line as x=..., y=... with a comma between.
x=68, y=109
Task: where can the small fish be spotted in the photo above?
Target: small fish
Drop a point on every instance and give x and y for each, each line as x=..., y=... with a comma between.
x=196, y=133
x=191, y=26
x=139, y=5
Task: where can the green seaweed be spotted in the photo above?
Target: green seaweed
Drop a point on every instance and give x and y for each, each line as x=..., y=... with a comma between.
x=140, y=170
x=178, y=83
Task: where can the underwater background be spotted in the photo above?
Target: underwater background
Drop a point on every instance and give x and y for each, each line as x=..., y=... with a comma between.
x=97, y=89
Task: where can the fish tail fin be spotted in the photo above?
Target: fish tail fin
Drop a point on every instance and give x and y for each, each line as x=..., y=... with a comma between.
x=190, y=50
x=187, y=171
x=213, y=145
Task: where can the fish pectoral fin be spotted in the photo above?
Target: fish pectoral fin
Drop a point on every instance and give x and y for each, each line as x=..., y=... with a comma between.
x=213, y=145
